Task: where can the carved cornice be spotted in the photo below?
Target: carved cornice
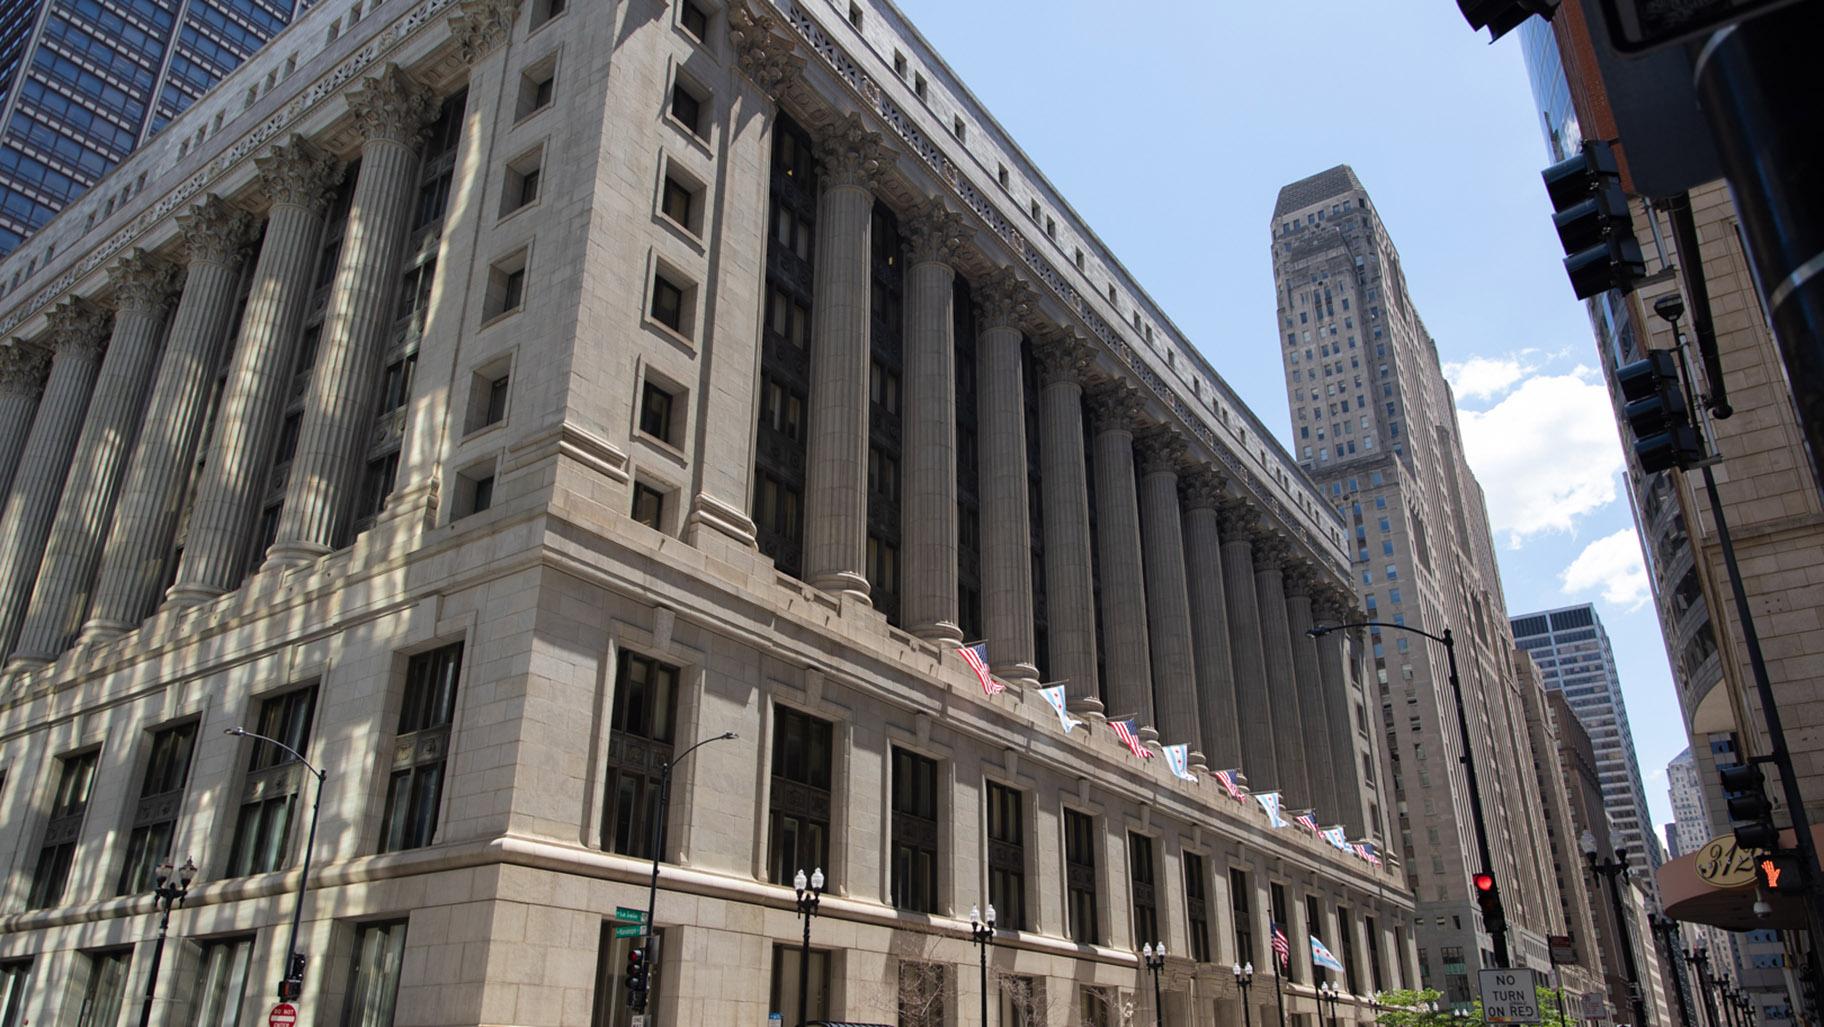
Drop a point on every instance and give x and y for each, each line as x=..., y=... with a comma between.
x=1162, y=450
x=22, y=369
x=1203, y=488
x=1240, y=522
x=850, y=155
x=763, y=47
x=1114, y=405
x=298, y=173
x=1063, y=355
x=79, y=327
x=142, y=283
x=934, y=233
x=481, y=25
x=1004, y=299
x=215, y=230
x=392, y=106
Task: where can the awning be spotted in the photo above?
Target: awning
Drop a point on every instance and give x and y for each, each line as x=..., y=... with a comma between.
x=1700, y=889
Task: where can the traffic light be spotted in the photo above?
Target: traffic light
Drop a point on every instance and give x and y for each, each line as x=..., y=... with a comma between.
x=291, y=987
x=636, y=979
x=1749, y=807
x=1488, y=897
x=1657, y=414
x=1591, y=214
x=1778, y=871
x=1500, y=17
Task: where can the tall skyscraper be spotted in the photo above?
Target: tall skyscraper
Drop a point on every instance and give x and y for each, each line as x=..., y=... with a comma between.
x=1574, y=656
x=1373, y=422
x=1690, y=822
x=83, y=84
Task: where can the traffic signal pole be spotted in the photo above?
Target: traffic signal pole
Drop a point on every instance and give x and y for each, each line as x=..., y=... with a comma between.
x=1497, y=932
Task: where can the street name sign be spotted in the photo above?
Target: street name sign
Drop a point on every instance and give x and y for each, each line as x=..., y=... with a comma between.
x=628, y=915
x=1509, y=996
x=630, y=931
x=283, y=1015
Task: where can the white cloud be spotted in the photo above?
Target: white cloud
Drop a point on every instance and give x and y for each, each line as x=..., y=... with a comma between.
x=1486, y=377
x=1546, y=455
x=1611, y=564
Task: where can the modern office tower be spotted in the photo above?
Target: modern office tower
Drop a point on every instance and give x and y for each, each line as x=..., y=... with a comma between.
x=1687, y=805
x=1574, y=656
x=553, y=388
x=84, y=83
x=1374, y=424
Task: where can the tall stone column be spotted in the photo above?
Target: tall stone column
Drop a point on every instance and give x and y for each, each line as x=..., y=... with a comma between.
x=78, y=334
x=1314, y=742
x=133, y=561
x=1168, y=601
x=1253, y=698
x=1270, y=554
x=1000, y=391
x=1331, y=607
x=928, y=570
x=300, y=180
x=1212, y=654
x=1115, y=407
x=1070, y=590
x=836, y=459
x=391, y=110
x=22, y=371
x=142, y=294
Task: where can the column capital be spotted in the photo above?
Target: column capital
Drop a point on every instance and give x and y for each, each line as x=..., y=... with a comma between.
x=78, y=324
x=1003, y=299
x=22, y=369
x=391, y=105
x=481, y=25
x=1299, y=578
x=215, y=230
x=1063, y=355
x=850, y=155
x=1204, y=488
x=1240, y=522
x=934, y=233
x=1329, y=603
x=298, y=173
x=1114, y=405
x=142, y=283
x=1271, y=551
x=763, y=47
x=1162, y=450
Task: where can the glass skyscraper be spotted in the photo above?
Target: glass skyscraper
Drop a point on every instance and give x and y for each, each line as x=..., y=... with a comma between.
x=84, y=82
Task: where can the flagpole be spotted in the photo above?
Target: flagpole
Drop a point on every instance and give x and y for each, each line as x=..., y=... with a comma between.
x=1279, y=991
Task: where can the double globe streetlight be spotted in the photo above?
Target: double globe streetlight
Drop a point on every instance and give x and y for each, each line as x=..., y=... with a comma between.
x=810, y=895
x=170, y=886
x=981, y=931
x=1328, y=996
x=1616, y=870
x=1244, y=978
x=1155, y=961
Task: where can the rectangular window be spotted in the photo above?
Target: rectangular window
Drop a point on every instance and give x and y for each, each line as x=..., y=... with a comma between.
x=1240, y=900
x=799, y=801
x=921, y=994
x=640, y=734
x=376, y=485
x=676, y=204
x=648, y=506
x=373, y=979
x=687, y=108
x=221, y=981
x=1080, y=877
x=1196, y=907
x=1140, y=873
x=668, y=303
x=655, y=411
x=784, y=998
x=421, y=749
x=396, y=383
x=105, y=988
x=1374, y=954
x=15, y=974
x=75, y=782
x=1276, y=895
x=1007, y=856
x=269, y=796
x=161, y=795
x=1314, y=922
x=1345, y=950
x=696, y=22
x=915, y=832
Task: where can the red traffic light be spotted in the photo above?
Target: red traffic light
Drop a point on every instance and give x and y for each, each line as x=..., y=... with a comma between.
x=634, y=956
x=1485, y=883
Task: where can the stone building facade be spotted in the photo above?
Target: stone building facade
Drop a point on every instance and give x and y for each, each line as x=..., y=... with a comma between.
x=551, y=386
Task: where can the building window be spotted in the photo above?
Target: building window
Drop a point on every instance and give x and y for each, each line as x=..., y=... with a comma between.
x=785, y=999
x=668, y=302
x=15, y=974
x=640, y=733
x=488, y=392
x=1140, y=873
x=545, y=10
x=957, y=128
x=915, y=832
x=1240, y=901
x=474, y=492
x=373, y=979
x=1345, y=951
x=1007, y=856
x=396, y=383
x=1196, y=908
x=921, y=994
x=648, y=506
x=1022, y=1001
x=537, y=88
x=687, y=107
x=1276, y=895
x=655, y=411
x=524, y=176
x=1080, y=877
x=269, y=796
x=221, y=981
x=421, y=749
x=678, y=201
x=694, y=19
x=854, y=14
x=75, y=782
x=161, y=795
x=105, y=988
x=506, y=287
x=799, y=803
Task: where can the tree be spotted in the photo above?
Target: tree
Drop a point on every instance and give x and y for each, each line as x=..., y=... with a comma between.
x=1407, y=1008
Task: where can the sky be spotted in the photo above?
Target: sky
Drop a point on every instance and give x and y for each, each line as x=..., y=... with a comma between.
x=1170, y=125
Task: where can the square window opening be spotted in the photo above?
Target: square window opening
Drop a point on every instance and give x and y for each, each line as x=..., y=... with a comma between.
x=537, y=89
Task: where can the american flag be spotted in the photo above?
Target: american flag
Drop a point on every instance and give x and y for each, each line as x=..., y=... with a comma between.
x=1124, y=730
x=1307, y=820
x=1282, y=949
x=976, y=656
x=1229, y=784
x=1366, y=851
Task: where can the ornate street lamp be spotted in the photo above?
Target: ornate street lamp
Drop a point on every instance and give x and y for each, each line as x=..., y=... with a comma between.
x=1155, y=961
x=982, y=932
x=1328, y=995
x=810, y=896
x=172, y=884
x=1244, y=977
x=1614, y=871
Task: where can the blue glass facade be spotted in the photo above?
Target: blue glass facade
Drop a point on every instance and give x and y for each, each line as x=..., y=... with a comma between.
x=86, y=81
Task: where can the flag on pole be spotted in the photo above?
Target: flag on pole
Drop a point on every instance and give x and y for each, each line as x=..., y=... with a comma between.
x=1178, y=757
x=1366, y=851
x=1338, y=837
x=1055, y=696
x=1309, y=822
x=976, y=656
x=1269, y=801
x=1124, y=730
x=1282, y=949
x=1322, y=957
x=1231, y=782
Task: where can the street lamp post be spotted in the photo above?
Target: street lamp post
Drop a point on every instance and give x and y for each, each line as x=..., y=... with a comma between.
x=1666, y=929
x=1244, y=978
x=982, y=931
x=1328, y=995
x=1747, y=1010
x=1614, y=870
x=173, y=883
x=810, y=896
x=1700, y=961
x=658, y=847
x=1734, y=1008
x=1495, y=914
x=291, y=986
x=1155, y=961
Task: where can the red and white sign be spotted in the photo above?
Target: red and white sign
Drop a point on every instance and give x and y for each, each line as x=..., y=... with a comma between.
x=283, y=1015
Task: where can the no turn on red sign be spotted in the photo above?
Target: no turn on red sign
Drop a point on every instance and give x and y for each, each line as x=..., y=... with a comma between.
x=283, y=1015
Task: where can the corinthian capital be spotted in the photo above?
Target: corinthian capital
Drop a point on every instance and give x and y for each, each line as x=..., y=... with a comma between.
x=1299, y=578
x=142, y=283
x=391, y=106
x=1240, y=522
x=1331, y=605
x=1162, y=450
x=215, y=230
x=1114, y=406
x=481, y=25
x=763, y=47
x=1063, y=355
x=934, y=233
x=79, y=326
x=1270, y=550
x=1202, y=488
x=850, y=155
x=1004, y=299
x=298, y=173
x=22, y=369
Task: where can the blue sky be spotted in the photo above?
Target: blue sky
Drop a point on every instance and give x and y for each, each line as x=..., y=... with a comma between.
x=1170, y=127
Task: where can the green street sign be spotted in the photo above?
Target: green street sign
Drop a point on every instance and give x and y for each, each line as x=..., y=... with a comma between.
x=632, y=916
x=630, y=931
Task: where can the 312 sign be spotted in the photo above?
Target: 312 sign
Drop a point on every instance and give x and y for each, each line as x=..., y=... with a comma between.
x=1723, y=864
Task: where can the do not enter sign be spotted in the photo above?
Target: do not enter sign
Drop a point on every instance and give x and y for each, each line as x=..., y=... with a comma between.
x=283, y=1015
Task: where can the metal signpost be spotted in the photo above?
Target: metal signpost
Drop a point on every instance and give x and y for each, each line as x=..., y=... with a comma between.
x=1510, y=996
